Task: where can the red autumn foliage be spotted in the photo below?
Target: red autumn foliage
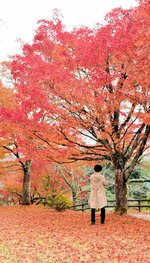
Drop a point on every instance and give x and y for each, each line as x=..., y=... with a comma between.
x=87, y=85
x=41, y=235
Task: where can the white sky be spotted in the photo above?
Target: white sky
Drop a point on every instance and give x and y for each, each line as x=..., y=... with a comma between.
x=18, y=18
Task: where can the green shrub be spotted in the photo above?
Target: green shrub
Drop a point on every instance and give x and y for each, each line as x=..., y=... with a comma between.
x=59, y=202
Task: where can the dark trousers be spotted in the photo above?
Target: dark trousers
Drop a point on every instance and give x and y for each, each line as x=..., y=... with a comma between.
x=102, y=215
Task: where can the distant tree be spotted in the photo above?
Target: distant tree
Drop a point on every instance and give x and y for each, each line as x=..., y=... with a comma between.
x=75, y=178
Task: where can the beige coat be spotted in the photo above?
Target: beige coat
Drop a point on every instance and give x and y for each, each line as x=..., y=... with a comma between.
x=97, y=197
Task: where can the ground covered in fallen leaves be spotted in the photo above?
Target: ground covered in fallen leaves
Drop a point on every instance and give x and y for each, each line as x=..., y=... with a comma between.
x=40, y=235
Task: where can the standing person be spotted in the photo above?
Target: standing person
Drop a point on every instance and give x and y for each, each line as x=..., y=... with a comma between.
x=97, y=199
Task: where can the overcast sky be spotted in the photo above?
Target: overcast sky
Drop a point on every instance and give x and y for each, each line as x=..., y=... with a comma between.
x=18, y=18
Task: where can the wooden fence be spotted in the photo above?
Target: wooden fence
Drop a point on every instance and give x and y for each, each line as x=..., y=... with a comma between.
x=136, y=203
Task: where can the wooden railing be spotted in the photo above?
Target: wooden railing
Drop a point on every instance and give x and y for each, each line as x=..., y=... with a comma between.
x=139, y=203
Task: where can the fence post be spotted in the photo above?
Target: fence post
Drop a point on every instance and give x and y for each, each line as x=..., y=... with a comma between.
x=82, y=207
x=139, y=203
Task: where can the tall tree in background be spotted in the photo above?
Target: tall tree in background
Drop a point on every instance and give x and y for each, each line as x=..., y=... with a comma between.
x=86, y=92
x=15, y=141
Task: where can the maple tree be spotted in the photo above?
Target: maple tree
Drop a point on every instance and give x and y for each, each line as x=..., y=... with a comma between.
x=26, y=168
x=86, y=92
x=14, y=142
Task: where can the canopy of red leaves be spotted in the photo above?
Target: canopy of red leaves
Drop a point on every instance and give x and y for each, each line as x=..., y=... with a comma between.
x=37, y=234
x=84, y=94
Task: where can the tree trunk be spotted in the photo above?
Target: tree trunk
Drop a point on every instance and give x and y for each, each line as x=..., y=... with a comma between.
x=26, y=197
x=74, y=197
x=121, y=192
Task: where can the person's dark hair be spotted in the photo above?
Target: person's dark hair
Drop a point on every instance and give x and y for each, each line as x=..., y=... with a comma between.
x=97, y=168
